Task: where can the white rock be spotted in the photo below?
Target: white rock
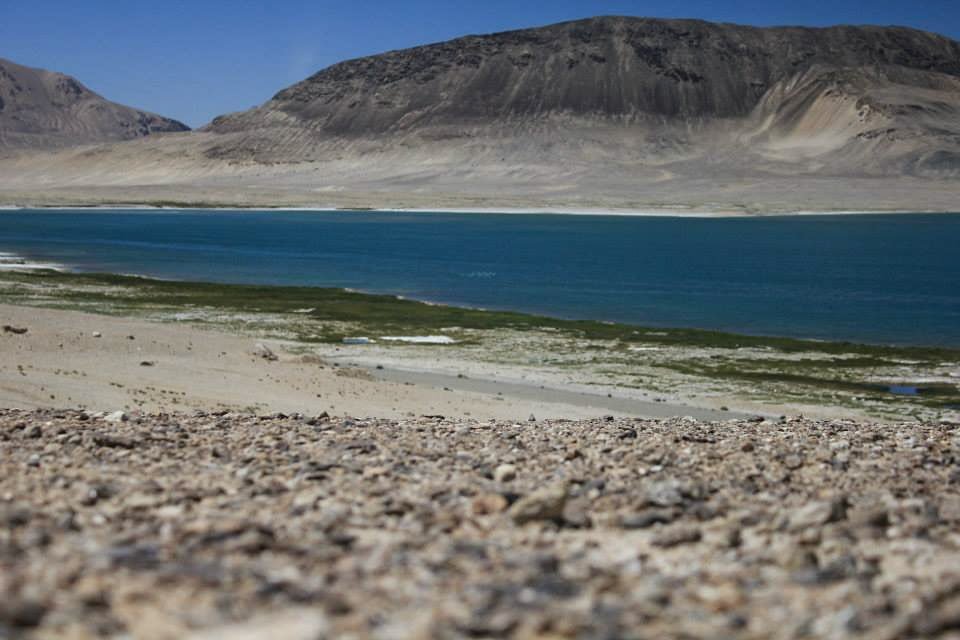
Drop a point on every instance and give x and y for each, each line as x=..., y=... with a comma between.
x=116, y=416
x=420, y=339
x=505, y=473
x=295, y=624
x=543, y=504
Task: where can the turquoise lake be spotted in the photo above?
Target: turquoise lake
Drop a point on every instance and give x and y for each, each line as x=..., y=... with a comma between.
x=891, y=278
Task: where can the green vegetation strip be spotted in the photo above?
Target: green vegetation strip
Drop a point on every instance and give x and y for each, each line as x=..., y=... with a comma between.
x=385, y=313
x=754, y=365
x=932, y=395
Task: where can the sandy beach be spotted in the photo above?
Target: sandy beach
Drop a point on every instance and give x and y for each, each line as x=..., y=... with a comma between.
x=100, y=363
x=476, y=363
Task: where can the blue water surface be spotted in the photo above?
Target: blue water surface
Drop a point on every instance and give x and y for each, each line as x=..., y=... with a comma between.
x=891, y=278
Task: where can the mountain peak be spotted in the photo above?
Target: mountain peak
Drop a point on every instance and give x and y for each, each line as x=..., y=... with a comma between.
x=42, y=109
x=608, y=66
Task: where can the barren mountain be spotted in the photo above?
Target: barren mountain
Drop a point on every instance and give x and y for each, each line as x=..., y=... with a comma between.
x=604, y=112
x=42, y=110
x=816, y=92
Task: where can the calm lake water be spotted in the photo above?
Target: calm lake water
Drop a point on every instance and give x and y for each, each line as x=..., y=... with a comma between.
x=872, y=278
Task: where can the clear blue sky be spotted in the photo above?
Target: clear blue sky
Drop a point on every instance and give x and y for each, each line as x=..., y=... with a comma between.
x=193, y=60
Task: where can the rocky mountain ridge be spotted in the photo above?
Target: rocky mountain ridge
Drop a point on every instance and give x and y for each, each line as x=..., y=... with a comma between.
x=616, y=112
x=677, y=87
x=612, y=66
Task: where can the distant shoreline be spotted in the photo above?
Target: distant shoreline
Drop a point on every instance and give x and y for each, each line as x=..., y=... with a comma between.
x=639, y=213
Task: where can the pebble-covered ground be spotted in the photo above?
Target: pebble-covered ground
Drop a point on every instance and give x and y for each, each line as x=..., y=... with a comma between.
x=225, y=525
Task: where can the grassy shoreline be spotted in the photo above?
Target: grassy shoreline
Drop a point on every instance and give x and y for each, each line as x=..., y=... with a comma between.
x=774, y=369
x=385, y=312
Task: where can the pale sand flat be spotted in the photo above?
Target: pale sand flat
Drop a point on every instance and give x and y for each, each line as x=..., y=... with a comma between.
x=60, y=362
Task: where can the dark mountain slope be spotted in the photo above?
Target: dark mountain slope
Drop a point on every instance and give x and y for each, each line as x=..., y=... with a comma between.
x=41, y=110
x=611, y=67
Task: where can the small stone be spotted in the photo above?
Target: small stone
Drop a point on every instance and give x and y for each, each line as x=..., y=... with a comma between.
x=544, y=504
x=114, y=442
x=90, y=495
x=576, y=513
x=798, y=558
x=296, y=624
x=376, y=471
x=532, y=418
x=949, y=509
x=13, y=517
x=676, y=536
x=316, y=420
x=666, y=493
x=488, y=503
x=116, y=416
x=869, y=515
x=817, y=514
x=732, y=538
x=23, y=614
x=793, y=462
x=97, y=334
x=647, y=518
x=263, y=351
x=505, y=473
x=944, y=617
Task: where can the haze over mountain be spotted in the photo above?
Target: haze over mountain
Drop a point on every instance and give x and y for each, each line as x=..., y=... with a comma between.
x=42, y=110
x=607, y=111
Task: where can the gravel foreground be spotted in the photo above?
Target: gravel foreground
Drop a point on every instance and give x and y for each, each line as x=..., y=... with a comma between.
x=236, y=526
